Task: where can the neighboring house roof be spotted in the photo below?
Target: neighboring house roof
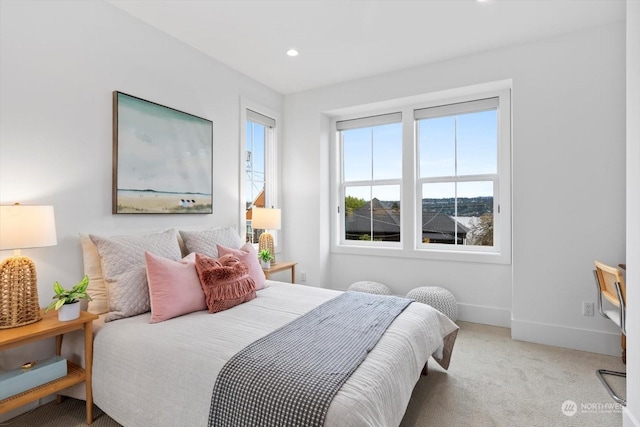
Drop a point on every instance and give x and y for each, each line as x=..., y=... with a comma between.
x=258, y=202
x=438, y=222
x=386, y=220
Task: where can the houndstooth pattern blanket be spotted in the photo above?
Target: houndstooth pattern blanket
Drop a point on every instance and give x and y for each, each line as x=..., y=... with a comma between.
x=289, y=377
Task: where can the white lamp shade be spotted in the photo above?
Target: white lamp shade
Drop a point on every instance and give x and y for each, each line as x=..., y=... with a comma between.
x=265, y=219
x=27, y=227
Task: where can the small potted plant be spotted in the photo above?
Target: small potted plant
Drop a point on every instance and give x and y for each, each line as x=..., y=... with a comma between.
x=67, y=301
x=265, y=258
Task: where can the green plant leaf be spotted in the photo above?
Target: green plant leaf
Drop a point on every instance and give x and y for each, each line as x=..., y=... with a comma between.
x=58, y=289
x=69, y=296
x=265, y=255
x=82, y=285
x=59, y=304
x=50, y=306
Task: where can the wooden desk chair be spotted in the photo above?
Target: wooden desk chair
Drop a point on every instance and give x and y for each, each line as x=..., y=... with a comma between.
x=610, y=284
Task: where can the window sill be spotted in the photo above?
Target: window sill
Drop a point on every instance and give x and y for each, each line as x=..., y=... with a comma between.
x=426, y=254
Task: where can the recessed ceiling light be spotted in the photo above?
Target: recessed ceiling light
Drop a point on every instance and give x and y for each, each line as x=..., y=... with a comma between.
x=292, y=52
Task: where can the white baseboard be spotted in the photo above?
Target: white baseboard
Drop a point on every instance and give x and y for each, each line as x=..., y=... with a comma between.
x=561, y=336
x=485, y=315
x=540, y=333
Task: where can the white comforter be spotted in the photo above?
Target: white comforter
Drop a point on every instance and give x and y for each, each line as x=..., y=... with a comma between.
x=162, y=374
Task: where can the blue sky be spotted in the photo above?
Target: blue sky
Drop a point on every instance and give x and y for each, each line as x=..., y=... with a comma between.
x=376, y=153
x=256, y=145
x=476, y=135
x=373, y=153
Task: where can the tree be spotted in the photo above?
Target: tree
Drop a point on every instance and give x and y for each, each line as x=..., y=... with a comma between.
x=482, y=231
x=353, y=203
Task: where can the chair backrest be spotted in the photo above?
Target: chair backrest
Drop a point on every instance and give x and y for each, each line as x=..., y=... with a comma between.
x=607, y=278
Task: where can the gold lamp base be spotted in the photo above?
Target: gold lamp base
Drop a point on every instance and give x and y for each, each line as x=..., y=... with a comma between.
x=266, y=242
x=19, y=304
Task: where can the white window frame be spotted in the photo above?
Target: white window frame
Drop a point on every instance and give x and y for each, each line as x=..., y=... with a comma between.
x=272, y=167
x=361, y=123
x=411, y=190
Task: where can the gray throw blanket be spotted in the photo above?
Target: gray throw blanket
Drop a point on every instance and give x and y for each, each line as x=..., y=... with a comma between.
x=289, y=377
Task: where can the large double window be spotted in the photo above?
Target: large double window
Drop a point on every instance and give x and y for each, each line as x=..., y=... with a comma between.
x=428, y=180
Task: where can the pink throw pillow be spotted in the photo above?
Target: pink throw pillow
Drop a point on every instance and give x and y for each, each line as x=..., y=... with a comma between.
x=225, y=281
x=248, y=255
x=174, y=287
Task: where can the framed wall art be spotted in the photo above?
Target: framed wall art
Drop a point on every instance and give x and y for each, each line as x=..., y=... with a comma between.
x=162, y=159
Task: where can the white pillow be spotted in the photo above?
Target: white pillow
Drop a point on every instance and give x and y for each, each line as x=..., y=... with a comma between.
x=124, y=269
x=206, y=242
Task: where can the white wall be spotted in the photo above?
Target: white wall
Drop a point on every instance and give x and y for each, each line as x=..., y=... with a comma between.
x=61, y=60
x=568, y=148
x=569, y=186
x=59, y=63
x=631, y=415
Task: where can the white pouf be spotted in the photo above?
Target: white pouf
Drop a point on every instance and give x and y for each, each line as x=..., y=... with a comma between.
x=438, y=298
x=370, y=287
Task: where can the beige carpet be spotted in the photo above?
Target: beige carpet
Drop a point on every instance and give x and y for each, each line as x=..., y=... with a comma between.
x=492, y=381
x=496, y=381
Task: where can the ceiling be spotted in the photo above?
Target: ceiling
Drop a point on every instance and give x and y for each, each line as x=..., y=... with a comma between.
x=342, y=40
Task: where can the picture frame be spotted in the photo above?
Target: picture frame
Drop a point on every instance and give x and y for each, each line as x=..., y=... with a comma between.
x=162, y=159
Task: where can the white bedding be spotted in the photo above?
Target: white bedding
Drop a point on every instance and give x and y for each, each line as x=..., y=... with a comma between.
x=162, y=374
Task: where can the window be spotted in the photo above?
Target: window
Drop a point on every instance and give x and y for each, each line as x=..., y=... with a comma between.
x=260, y=176
x=371, y=178
x=439, y=170
x=457, y=151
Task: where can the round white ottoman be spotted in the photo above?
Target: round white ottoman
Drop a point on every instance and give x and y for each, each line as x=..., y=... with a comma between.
x=370, y=287
x=438, y=298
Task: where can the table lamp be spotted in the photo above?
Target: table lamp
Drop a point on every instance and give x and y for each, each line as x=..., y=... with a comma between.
x=266, y=219
x=22, y=227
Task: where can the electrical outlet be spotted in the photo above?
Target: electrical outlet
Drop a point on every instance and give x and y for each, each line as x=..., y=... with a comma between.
x=587, y=308
x=303, y=276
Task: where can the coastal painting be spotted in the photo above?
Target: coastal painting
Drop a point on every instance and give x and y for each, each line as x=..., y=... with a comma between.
x=162, y=159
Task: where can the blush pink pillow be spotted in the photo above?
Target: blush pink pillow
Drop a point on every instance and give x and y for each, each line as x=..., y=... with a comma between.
x=225, y=281
x=174, y=287
x=248, y=255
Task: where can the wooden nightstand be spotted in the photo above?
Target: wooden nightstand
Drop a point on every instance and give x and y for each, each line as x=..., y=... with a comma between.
x=48, y=327
x=281, y=266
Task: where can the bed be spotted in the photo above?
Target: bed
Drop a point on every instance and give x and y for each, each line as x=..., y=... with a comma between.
x=163, y=373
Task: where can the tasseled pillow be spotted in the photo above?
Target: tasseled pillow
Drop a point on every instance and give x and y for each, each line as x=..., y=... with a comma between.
x=225, y=281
